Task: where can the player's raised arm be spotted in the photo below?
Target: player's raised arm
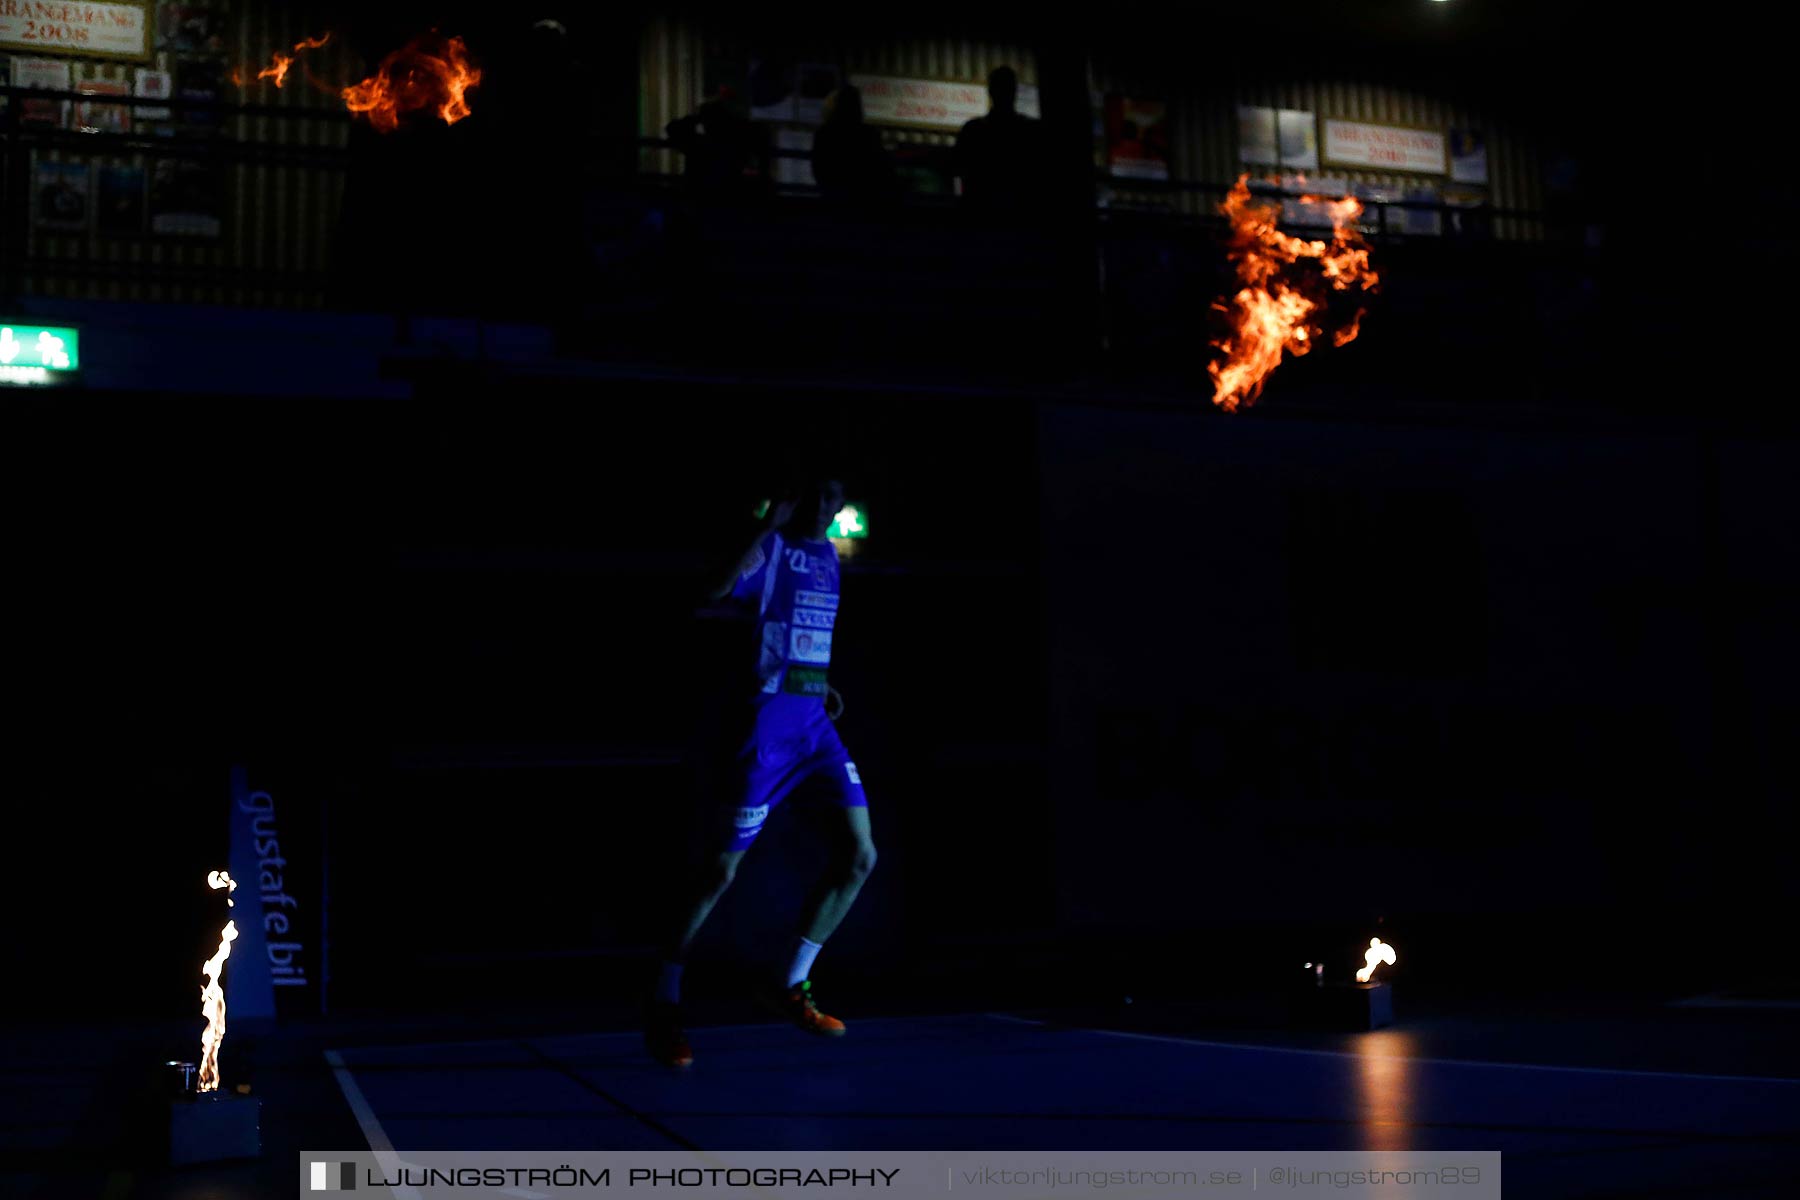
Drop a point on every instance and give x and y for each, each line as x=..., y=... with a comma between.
x=749, y=556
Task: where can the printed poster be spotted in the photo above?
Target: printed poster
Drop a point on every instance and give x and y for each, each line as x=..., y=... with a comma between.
x=1418, y=222
x=1137, y=138
x=1298, y=134
x=1257, y=141
x=119, y=200
x=92, y=117
x=60, y=195
x=187, y=198
x=153, y=85
x=1468, y=156
x=201, y=80
x=51, y=74
x=191, y=28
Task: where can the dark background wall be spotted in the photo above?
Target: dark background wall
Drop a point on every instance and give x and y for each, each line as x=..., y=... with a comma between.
x=1503, y=675
x=1112, y=673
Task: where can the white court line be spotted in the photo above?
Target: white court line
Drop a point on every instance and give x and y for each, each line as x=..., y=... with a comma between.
x=377, y=1137
x=372, y=1131
x=607, y=1033
x=383, y=1149
x=1440, y=1062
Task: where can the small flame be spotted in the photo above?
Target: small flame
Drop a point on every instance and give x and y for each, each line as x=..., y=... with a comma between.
x=212, y=996
x=1275, y=310
x=1378, y=952
x=428, y=73
x=280, y=63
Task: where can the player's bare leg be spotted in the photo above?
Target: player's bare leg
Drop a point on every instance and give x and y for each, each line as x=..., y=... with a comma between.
x=663, y=1034
x=837, y=889
x=707, y=886
x=853, y=859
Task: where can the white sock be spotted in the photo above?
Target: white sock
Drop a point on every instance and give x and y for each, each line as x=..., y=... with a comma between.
x=804, y=953
x=668, y=984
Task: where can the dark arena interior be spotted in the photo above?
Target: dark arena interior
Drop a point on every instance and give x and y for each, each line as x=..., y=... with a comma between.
x=1312, y=495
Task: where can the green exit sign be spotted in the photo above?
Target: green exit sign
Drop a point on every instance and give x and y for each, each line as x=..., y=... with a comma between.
x=852, y=522
x=37, y=353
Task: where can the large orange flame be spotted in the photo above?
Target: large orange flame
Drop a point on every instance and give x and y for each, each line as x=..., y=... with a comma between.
x=428, y=73
x=212, y=996
x=431, y=72
x=1278, y=308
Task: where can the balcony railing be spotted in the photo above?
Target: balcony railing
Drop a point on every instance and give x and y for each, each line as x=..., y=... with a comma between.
x=292, y=207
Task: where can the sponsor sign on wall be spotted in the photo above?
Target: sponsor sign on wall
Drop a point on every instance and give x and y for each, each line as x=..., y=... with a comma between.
x=1384, y=147
x=109, y=30
x=931, y=103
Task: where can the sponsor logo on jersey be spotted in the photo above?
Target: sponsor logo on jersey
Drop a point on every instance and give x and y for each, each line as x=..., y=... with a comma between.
x=751, y=818
x=805, y=681
x=815, y=600
x=809, y=646
x=814, y=618
x=850, y=770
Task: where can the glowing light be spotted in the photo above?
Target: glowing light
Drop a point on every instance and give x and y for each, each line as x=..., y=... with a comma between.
x=50, y=350
x=212, y=996
x=1378, y=952
x=849, y=523
x=1387, y=1090
x=54, y=347
x=1286, y=282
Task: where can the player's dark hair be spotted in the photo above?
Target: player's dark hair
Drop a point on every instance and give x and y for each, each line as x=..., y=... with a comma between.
x=795, y=478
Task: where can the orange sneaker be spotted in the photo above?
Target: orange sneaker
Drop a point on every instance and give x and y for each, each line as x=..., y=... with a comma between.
x=664, y=1038
x=796, y=1004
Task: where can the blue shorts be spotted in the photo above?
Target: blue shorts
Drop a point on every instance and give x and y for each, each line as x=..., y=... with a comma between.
x=774, y=760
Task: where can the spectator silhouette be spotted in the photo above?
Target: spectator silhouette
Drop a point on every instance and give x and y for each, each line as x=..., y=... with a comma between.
x=849, y=161
x=725, y=158
x=999, y=156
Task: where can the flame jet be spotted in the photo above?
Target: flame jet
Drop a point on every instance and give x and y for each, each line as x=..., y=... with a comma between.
x=1278, y=308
